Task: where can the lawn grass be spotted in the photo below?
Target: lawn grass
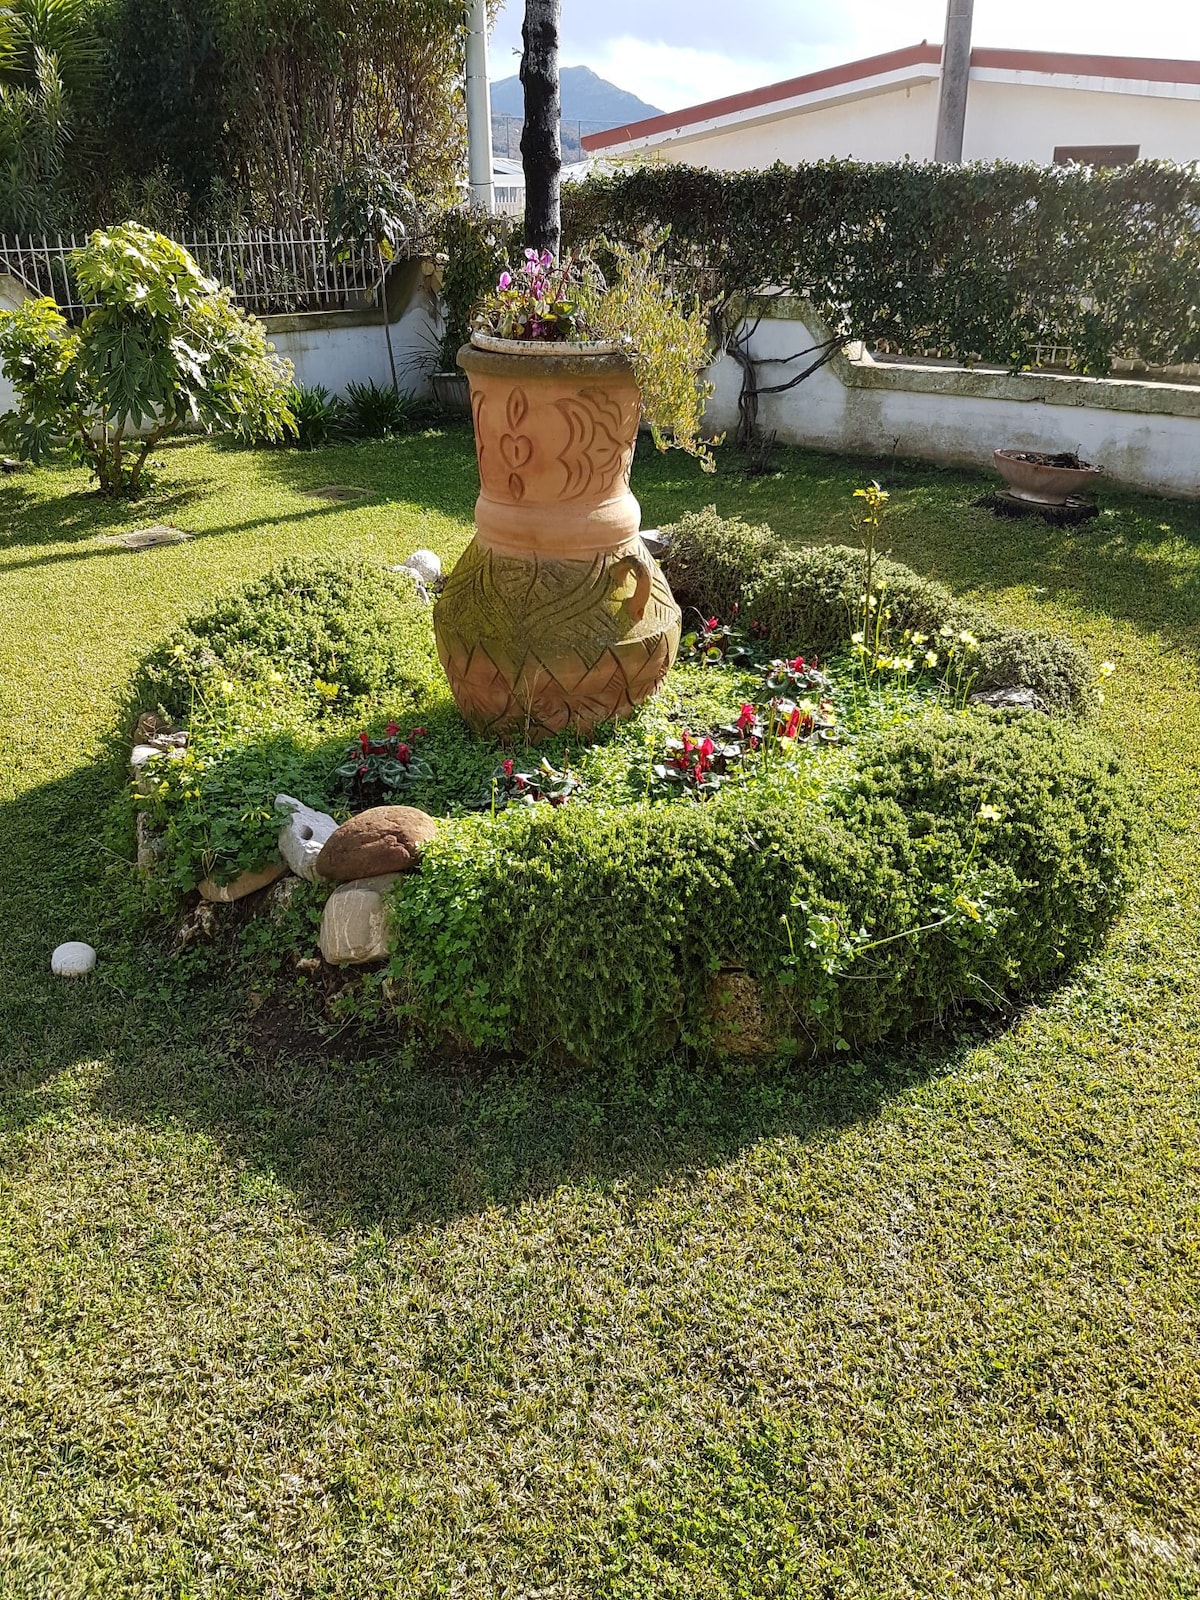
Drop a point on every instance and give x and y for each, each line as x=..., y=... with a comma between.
x=294, y=1323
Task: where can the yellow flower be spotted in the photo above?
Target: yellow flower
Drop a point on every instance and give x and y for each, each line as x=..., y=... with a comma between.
x=971, y=907
x=856, y=638
x=931, y=658
x=919, y=639
x=1107, y=668
x=988, y=814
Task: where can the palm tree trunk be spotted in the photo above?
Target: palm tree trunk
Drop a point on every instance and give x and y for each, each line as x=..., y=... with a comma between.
x=541, y=150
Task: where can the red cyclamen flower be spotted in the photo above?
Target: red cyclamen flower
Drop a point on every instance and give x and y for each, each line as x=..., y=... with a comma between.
x=508, y=768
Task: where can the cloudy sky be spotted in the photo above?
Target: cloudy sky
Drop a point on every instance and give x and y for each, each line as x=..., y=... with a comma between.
x=677, y=52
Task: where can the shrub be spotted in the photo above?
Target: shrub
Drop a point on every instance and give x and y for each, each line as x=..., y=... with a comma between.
x=374, y=410
x=162, y=349
x=805, y=598
x=473, y=249
x=318, y=417
x=980, y=262
x=336, y=631
x=957, y=858
x=596, y=933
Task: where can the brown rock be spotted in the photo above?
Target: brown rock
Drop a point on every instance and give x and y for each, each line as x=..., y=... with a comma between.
x=382, y=840
x=246, y=883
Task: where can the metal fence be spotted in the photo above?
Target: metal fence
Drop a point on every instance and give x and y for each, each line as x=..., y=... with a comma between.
x=265, y=270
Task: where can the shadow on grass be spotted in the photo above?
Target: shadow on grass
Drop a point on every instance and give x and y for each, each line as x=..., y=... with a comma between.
x=29, y=518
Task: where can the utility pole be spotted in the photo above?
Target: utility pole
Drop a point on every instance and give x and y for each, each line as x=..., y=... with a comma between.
x=479, y=108
x=541, y=137
x=956, y=74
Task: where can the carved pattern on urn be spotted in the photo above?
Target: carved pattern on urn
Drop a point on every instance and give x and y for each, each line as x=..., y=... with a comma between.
x=556, y=616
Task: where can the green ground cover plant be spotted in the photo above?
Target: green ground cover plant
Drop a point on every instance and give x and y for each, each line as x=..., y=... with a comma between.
x=277, y=1320
x=865, y=883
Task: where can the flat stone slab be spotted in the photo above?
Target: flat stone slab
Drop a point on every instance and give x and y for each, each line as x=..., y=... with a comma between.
x=147, y=538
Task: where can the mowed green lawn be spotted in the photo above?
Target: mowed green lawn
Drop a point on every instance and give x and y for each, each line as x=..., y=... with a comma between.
x=301, y=1324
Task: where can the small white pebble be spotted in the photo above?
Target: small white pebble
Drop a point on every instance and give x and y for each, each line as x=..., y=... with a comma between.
x=73, y=959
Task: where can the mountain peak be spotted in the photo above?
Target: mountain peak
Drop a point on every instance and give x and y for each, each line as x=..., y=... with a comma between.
x=589, y=102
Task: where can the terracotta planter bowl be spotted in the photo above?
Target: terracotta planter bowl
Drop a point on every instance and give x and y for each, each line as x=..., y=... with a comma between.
x=556, y=615
x=1041, y=484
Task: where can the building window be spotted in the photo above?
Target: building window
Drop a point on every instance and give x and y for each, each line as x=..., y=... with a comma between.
x=1096, y=155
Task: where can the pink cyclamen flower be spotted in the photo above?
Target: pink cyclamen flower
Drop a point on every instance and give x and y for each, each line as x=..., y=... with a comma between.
x=505, y=280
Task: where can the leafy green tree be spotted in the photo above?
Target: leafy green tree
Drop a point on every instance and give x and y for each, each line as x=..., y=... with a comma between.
x=49, y=63
x=163, y=349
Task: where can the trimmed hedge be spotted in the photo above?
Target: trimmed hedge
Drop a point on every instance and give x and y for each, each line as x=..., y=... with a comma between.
x=805, y=597
x=597, y=933
x=345, y=623
x=986, y=262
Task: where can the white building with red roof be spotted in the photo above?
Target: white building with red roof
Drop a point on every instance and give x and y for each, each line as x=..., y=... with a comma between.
x=1022, y=105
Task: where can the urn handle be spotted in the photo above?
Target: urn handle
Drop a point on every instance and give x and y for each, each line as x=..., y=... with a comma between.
x=640, y=598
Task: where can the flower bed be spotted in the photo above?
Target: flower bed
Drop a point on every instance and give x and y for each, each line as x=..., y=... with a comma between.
x=851, y=840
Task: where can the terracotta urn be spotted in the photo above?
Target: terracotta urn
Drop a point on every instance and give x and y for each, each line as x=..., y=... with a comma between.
x=556, y=616
x=1045, y=480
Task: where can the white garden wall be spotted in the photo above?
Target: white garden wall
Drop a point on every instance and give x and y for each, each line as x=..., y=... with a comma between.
x=334, y=348
x=1146, y=435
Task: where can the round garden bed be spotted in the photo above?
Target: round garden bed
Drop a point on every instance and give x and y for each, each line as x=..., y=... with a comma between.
x=805, y=841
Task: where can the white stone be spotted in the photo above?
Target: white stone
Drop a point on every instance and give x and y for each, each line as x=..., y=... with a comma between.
x=301, y=840
x=426, y=564
x=73, y=959
x=354, y=925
